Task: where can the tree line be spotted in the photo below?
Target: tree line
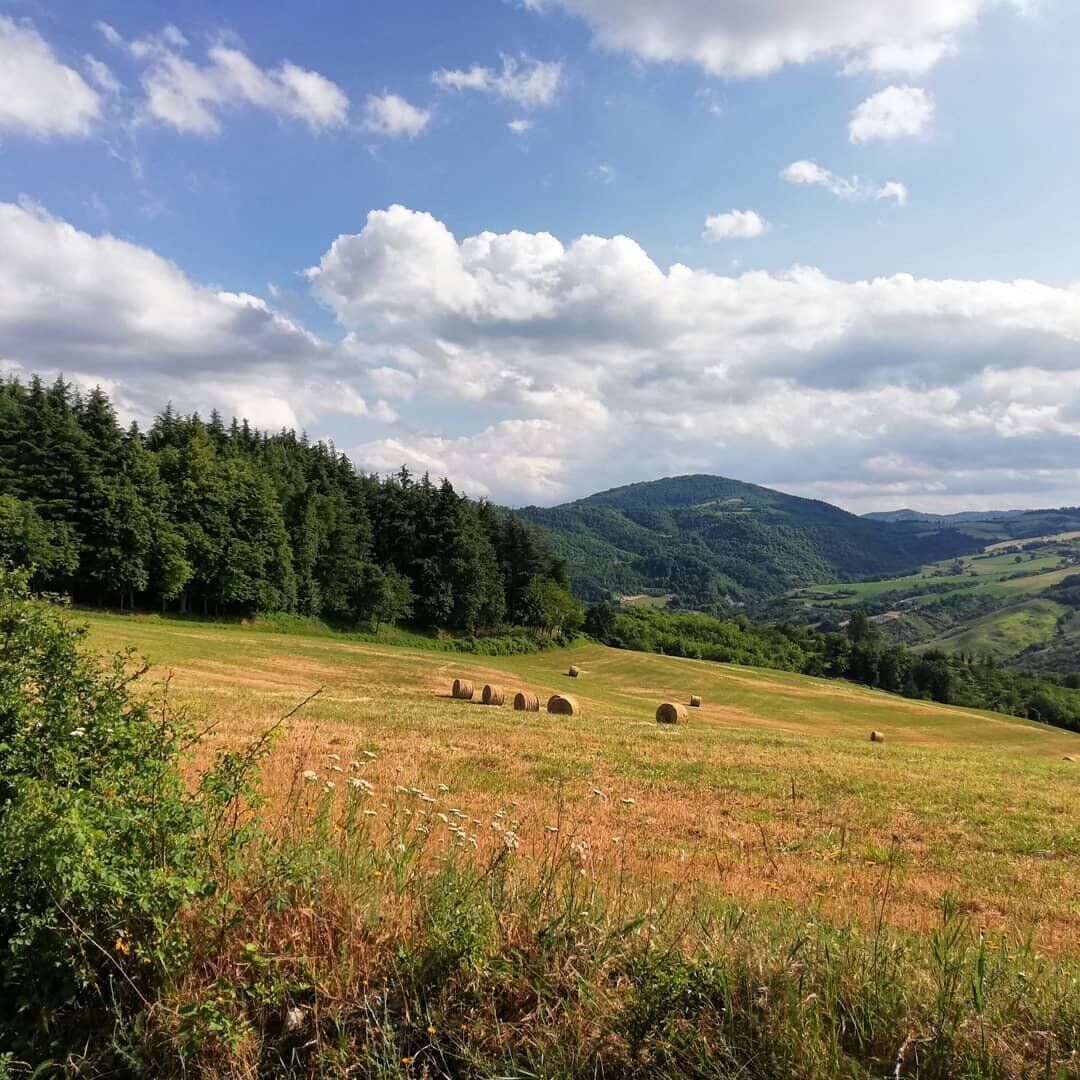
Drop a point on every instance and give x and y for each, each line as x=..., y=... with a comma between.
x=859, y=653
x=199, y=516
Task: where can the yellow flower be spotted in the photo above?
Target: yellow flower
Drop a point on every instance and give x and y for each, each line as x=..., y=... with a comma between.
x=430, y=1030
x=406, y=1061
x=121, y=945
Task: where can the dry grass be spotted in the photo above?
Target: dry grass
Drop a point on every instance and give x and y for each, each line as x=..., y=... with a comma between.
x=770, y=794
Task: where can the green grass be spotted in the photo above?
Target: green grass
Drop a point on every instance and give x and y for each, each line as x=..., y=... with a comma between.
x=993, y=575
x=758, y=892
x=659, y=601
x=978, y=799
x=1002, y=634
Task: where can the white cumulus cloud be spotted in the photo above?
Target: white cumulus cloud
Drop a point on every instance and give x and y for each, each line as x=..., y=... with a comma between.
x=585, y=364
x=98, y=308
x=522, y=81
x=393, y=116
x=735, y=225
x=39, y=95
x=892, y=113
x=756, y=37
x=191, y=96
x=853, y=188
x=533, y=368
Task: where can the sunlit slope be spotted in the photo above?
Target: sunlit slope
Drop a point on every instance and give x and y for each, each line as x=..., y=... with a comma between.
x=615, y=685
x=771, y=793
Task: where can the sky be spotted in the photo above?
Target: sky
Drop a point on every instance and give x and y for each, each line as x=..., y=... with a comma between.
x=546, y=247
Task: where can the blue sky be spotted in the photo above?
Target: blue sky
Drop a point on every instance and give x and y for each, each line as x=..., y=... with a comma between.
x=898, y=328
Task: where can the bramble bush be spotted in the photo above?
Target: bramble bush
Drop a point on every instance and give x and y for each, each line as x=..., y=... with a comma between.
x=102, y=845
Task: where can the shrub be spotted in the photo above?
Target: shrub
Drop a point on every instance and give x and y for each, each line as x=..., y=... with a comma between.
x=100, y=842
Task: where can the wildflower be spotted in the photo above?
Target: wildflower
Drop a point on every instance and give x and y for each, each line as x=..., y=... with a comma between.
x=401, y=790
x=443, y=789
x=328, y=786
x=406, y=1061
x=597, y=791
x=430, y=1030
x=551, y=828
x=78, y=732
x=310, y=777
x=334, y=757
x=370, y=813
x=369, y=754
x=628, y=802
x=121, y=945
x=510, y=839
x=335, y=768
x=443, y=818
x=354, y=764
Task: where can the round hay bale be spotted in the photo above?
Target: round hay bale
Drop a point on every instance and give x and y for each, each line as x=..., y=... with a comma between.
x=462, y=689
x=574, y=672
x=695, y=701
x=669, y=713
x=526, y=702
x=563, y=705
x=876, y=736
x=493, y=695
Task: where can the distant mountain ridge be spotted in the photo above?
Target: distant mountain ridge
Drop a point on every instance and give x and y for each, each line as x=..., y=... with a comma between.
x=963, y=516
x=710, y=542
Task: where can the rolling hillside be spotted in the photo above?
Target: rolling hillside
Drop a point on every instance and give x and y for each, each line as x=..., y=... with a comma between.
x=974, y=797
x=709, y=542
x=1018, y=602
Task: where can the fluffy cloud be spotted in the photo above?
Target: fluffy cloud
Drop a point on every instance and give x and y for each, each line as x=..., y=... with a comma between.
x=758, y=37
x=394, y=116
x=809, y=172
x=520, y=127
x=525, y=82
x=100, y=308
x=892, y=113
x=191, y=96
x=572, y=366
x=38, y=94
x=735, y=225
x=532, y=370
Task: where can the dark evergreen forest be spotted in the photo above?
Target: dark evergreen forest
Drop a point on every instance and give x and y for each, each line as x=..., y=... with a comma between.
x=216, y=518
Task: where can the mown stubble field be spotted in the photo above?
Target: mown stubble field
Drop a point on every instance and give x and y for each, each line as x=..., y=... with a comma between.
x=772, y=794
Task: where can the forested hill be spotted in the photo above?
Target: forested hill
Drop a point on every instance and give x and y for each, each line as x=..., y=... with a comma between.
x=992, y=524
x=709, y=541
x=220, y=519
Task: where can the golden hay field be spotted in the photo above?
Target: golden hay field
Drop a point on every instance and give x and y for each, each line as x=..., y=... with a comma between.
x=771, y=793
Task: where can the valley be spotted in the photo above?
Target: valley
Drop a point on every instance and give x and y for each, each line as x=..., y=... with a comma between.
x=1015, y=601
